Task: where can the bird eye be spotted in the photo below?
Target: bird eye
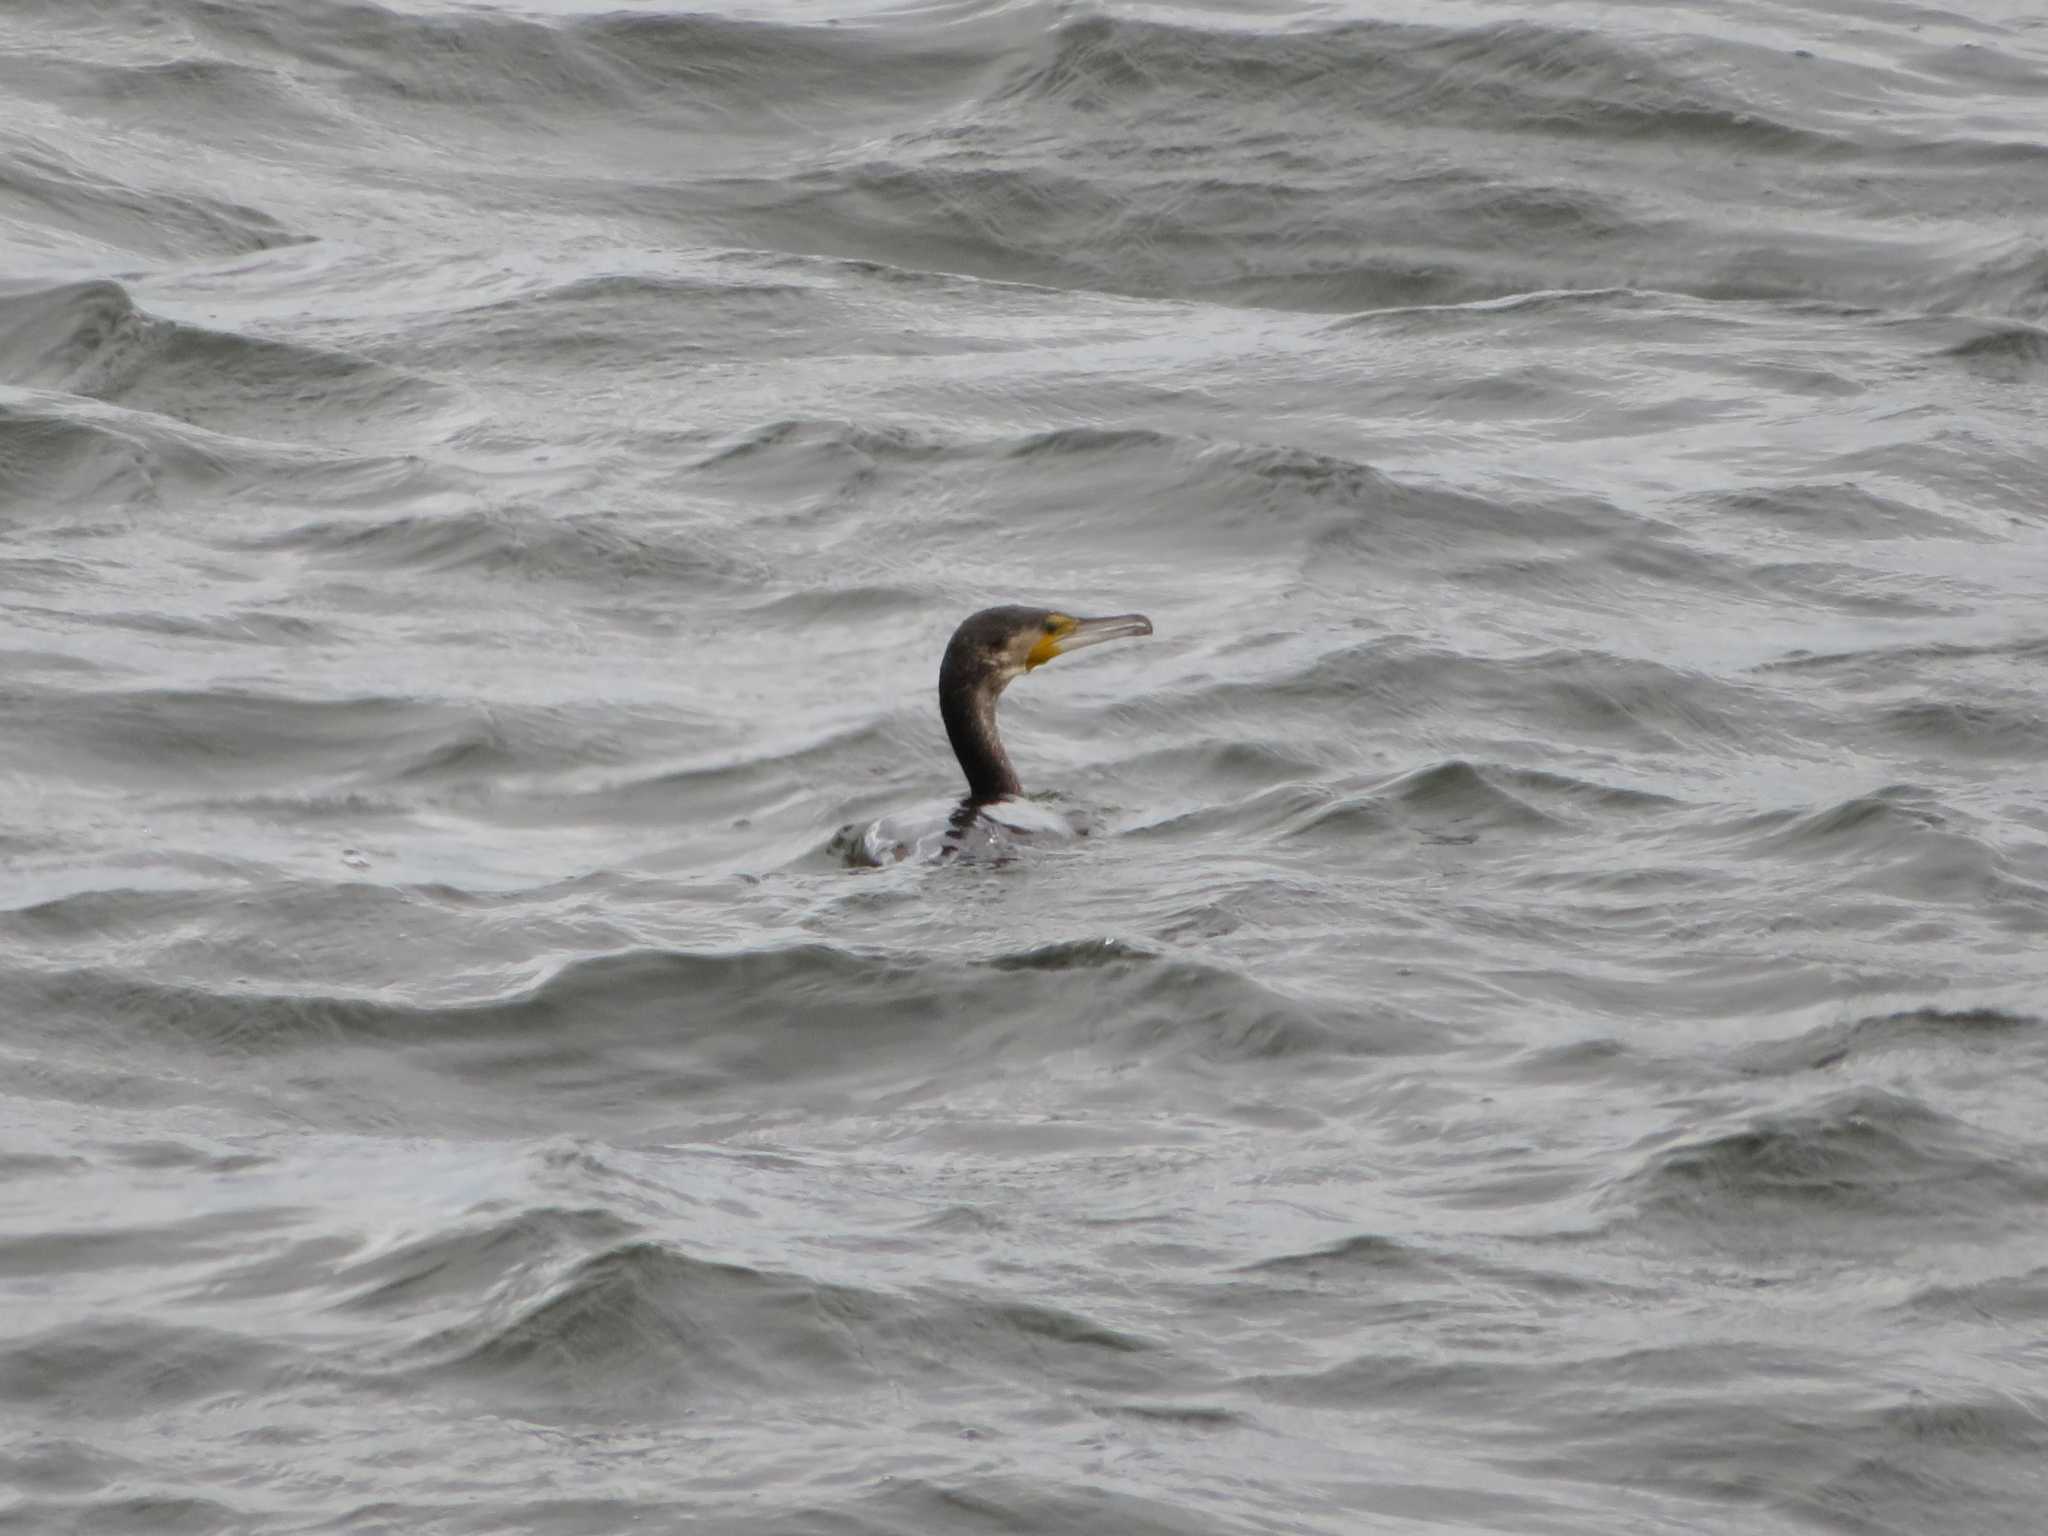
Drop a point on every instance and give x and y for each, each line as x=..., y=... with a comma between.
x=1052, y=626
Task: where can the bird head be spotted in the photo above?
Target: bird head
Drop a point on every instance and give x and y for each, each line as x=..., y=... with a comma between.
x=998, y=645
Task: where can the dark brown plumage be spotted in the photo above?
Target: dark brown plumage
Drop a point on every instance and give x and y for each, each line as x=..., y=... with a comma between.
x=988, y=651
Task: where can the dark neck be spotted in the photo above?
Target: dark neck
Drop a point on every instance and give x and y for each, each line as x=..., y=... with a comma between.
x=969, y=711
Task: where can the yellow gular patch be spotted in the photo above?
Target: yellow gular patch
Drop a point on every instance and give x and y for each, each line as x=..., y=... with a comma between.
x=1048, y=645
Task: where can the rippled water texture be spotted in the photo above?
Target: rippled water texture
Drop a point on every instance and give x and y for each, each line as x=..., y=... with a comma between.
x=1547, y=1031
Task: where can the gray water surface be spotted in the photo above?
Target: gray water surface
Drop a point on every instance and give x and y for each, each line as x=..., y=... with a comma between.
x=1547, y=1031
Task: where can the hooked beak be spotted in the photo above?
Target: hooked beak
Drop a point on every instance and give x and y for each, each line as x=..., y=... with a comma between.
x=1079, y=634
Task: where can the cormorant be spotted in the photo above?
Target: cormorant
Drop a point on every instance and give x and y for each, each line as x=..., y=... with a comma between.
x=987, y=652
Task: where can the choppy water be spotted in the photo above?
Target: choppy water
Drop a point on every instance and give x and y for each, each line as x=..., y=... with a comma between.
x=1549, y=1032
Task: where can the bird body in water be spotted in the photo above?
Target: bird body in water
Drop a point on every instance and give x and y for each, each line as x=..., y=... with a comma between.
x=989, y=651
